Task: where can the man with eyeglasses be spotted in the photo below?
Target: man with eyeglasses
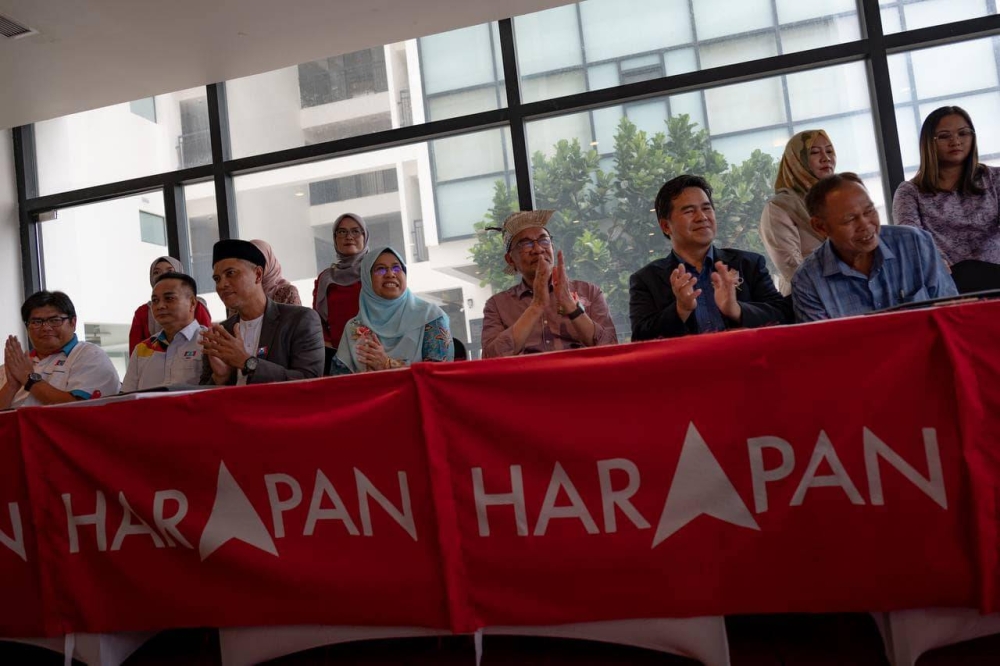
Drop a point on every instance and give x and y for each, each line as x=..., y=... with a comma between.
x=264, y=341
x=60, y=368
x=699, y=288
x=545, y=311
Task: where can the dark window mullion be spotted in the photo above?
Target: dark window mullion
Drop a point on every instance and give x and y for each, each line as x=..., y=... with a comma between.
x=218, y=124
x=519, y=143
x=882, y=103
x=26, y=176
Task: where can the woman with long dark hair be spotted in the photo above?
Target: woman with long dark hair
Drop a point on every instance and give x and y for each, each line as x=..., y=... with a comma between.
x=956, y=199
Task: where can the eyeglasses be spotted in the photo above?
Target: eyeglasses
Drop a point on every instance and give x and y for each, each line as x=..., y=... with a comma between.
x=962, y=134
x=353, y=233
x=52, y=322
x=527, y=244
x=382, y=270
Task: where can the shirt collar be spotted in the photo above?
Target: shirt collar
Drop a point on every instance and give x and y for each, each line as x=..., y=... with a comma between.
x=189, y=331
x=709, y=258
x=70, y=345
x=65, y=350
x=832, y=264
x=522, y=288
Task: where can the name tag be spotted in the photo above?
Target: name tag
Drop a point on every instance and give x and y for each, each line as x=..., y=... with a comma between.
x=191, y=354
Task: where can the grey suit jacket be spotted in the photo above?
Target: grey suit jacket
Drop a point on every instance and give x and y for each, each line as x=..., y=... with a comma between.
x=291, y=344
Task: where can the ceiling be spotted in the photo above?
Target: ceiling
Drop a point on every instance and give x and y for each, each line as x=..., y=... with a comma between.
x=92, y=53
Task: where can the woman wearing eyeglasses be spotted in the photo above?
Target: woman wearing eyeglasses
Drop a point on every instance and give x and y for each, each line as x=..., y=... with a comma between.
x=393, y=327
x=955, y=198
x=335, y=294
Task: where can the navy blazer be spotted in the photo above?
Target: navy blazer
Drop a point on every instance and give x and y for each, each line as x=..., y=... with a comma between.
x=291, y=344
x=651, y=302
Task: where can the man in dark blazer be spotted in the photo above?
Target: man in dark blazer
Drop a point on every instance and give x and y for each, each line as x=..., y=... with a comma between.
x=699, y=288
x=264, y=341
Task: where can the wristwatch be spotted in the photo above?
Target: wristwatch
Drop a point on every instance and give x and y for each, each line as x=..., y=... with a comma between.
x=33, y=379
x=250, y=366
x=575, y=313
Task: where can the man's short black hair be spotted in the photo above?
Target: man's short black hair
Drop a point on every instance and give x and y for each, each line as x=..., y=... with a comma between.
x=673, y=188
x=817, y=194
x=41, y=299
x=183, y=277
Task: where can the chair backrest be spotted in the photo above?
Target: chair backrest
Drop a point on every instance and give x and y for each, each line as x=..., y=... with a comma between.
x=973, y=275
x=460, y=353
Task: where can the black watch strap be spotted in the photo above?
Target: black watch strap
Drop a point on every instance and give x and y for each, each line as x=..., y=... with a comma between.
x=575, y=313
x=33, y=379
x=249, y=366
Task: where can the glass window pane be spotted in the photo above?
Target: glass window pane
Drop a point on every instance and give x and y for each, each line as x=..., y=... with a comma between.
x=721, y=18
x=596, y=34
x=152, y=228
x=745, y=105
x=97, y=255
x=554, y=37
x=604, y=190
x=202, y=224
x=367, y=91
x=925, y=13
x=149, y=136
x=790, y=11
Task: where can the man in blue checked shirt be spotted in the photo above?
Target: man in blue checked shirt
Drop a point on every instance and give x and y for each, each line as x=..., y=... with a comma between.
x=862, y=266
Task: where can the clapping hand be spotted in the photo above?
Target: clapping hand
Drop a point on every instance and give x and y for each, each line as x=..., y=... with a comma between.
x=725, y=281
x=540, y=285
x=371, y=352
x=17, y=364
x=684, y=286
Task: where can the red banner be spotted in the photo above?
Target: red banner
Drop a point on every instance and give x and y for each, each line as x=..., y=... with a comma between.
x=306, y=503
x=847, y=465
x=21, y=613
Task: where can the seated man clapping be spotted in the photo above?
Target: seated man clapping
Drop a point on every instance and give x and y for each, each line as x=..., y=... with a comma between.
x=545, y=311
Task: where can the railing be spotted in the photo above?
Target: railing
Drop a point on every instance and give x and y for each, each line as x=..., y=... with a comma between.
x=194, y=149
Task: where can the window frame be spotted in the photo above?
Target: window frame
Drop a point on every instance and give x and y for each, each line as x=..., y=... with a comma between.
x=873, y=48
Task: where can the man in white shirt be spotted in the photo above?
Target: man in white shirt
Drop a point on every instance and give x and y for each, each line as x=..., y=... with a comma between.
x=60, y=368
x=264, y=341
x=173, y=356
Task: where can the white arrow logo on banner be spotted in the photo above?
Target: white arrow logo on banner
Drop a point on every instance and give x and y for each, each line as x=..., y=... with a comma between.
x=233, y=517
x=700, y=486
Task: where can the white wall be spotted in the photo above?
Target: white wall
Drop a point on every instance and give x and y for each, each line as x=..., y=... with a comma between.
x=11, y=291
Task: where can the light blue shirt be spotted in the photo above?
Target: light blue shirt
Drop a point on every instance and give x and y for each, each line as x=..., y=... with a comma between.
x=906, y=268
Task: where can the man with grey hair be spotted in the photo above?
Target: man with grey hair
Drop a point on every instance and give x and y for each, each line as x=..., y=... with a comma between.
x=545, y=311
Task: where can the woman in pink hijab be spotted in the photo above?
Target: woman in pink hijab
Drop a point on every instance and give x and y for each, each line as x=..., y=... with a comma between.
x=276, y=287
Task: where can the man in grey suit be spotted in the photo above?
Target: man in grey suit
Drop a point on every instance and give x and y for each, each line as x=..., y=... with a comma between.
x=264, y=341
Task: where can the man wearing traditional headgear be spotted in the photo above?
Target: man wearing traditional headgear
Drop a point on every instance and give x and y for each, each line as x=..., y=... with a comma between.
x=545, y=311
x=264, y=341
